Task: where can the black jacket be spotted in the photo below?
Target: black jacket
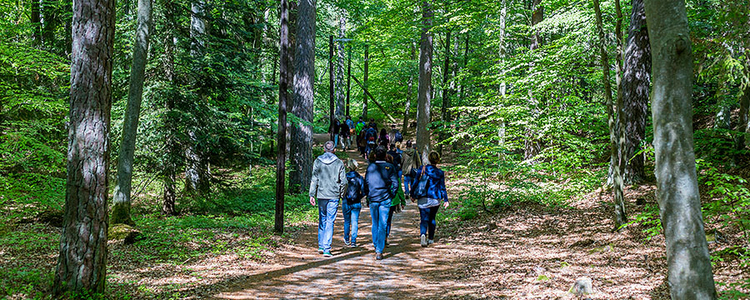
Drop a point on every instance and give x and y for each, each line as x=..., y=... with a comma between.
x=381, y=182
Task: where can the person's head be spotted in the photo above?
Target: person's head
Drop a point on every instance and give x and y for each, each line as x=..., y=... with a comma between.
x=360, y=119
x=371, y=156
x=348, y=117
x=389, y=158
x=372, y=120
x=393, y=146
x=380, y=152
x=393, y=127
x=398, y=145
x=383, y=132
x=434, y=158
x=329, y=146
x=351, y=165
x=408, y=144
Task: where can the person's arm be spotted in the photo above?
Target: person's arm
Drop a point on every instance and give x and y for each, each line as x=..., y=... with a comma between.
x=360, y=194
x=342, y=181
x=393, y=176
x=366, y=189
x=314, y=183
x=443, y=189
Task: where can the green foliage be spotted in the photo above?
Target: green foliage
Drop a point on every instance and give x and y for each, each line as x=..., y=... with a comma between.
x=730, y=198
x=650, y=221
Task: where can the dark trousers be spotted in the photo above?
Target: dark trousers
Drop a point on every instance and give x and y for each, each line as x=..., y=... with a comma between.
x=427, y=221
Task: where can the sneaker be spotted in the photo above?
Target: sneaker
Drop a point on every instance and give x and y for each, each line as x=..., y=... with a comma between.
x=430, y=242
x=320, y=250
x=353, y=245
x=327, y=254
x=423, y=240
x=346, y=243
x=378, y=256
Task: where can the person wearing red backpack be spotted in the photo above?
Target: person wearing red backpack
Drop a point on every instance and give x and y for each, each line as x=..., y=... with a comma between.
x=428, y=189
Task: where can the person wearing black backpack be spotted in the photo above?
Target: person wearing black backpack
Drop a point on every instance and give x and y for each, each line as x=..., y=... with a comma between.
x=381, y=185
x=352, y=203
x=428, y=189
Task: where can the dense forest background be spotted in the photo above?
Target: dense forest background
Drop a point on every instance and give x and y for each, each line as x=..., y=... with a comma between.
x=519, y=104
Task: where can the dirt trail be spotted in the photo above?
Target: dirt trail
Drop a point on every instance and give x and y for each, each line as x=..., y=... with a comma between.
x=407, y=270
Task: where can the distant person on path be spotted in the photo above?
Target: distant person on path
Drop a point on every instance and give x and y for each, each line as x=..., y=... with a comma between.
x=350, y=124
x=360, y=126
x=410, y=160
x=397, y=158
x=335, y=127
x=398, y=137
x=373, y=124
x=371, y=139
x=381, y=185
x=383, y=138
x=362, y=144
x=328, y=184
x=344, y=136
x=352, y=203
x=398, y=203
x=428, y=187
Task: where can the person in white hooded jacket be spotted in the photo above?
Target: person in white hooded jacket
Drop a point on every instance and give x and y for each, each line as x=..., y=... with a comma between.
x=328, y=184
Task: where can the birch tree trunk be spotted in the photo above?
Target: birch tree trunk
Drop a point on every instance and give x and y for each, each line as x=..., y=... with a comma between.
x=532, y=145
x=82, y=263
x=303, y=99
x=121, y=200
x=688, y=259
x=619, y=203
x=424, y=93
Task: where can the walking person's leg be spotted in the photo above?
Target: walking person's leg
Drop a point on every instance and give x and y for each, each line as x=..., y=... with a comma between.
x=407, y=185
x=355, y=209
x=375, y=215
x=383, y=209
x=322, y=204
x=432, y=224
x=346, y=208
x=388, y=226
x=331, y=209
x=424, y=220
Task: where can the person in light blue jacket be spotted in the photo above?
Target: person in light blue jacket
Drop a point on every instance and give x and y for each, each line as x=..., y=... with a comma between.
x=328, y=184
x=428, y=196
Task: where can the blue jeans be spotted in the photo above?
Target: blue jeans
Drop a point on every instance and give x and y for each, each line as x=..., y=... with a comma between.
x=407, y=184
x=335, y=140
x=351, y=219
x=427, y=222
x=326, y=215
x=379, y=213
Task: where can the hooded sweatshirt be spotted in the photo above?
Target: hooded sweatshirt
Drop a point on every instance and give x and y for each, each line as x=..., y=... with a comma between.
x=328, y=177
x=410, y=159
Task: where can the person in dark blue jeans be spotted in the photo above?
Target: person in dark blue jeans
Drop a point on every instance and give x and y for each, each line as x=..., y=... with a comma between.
x=381, y=185
x=429, y=198
x=352, y=203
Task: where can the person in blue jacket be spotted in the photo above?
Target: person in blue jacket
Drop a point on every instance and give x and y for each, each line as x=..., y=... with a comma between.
x=429, y=198
x=352, y=203
x=381, y=184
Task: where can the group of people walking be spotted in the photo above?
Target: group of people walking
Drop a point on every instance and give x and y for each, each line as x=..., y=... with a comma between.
x=381, y=188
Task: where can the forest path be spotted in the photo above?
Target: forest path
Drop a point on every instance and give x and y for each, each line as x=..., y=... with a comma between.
x=407, y=271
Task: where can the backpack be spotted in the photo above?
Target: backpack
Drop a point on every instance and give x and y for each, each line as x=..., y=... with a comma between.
x=420, y=189
x=353, y=190
x=398, y=137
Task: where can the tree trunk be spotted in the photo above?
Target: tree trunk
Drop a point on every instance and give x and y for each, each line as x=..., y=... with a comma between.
x=635, y=89
x=121, y=200
x=82, y=264
x=444, y=113
x=302, y=105
x=36, y=22
x=688, y=259
x=424, y=93
x=340, y=88
x=196, y=173
x=364, y=81
x=281, y=132
x=409, y=90
x=619, y=203
x=532, y=145
x=173, y=148
x=739, y=142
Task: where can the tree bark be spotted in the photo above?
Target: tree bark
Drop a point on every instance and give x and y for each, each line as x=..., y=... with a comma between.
x=409, y=90
x=303, y=99
x=532, y=145
x=82, y=264
x=688, y=258
x=121, y=200
x=364, y=81
x=739, y=142
x=196, y=173
x=340, y=88
x=635, y=93
x=619, y=203
x=424, y=93
x=281, y=132
x=170, y=142
x=447, y=92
